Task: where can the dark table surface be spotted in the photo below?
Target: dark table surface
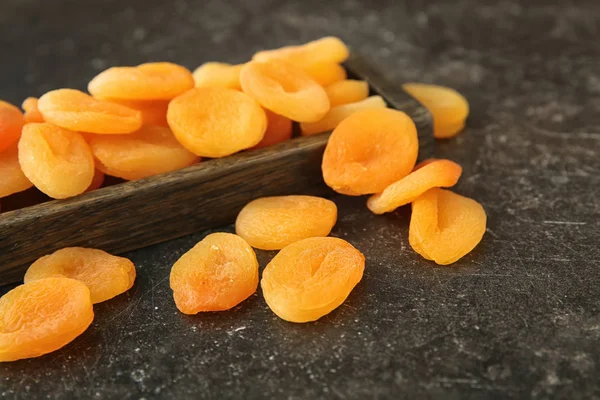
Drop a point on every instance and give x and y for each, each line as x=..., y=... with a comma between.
x=518, y=317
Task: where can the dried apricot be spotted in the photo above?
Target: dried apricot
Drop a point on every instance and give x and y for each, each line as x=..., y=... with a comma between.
x=40, y=317
x=216, y=122
x=347, y=91
x=445, y=226
x=448, y=107
x=285, y=89
x=32, y=113
x=216, y=74
x=217, y=274
x=12, y=178
x=97, y=181
x=326, y=74
x=75, y=110
x=154, y=112
x=312, y=277
x=321, y=51
x=152, y=150
x=279, y=129
x=105, y=275
x=57, y=161
x=150, y=81
x=338, y=113
x=271, y=223
x=11, y=123
x=435, y=173
x=370, y=150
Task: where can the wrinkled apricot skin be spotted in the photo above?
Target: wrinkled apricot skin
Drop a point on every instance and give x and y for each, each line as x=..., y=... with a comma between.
x=40, y=317
x=285, y=89
x=12, y=178
x=150, y=81
x=105, y=275
x=321, y=51
x=217, y=274
x=11, y=123
x=279, y=129
x=75, y=110
x=347, y=91
x=338, y=113
x=326, y=74
x=445, y=226
x=57, y=161
x=216, y=122
x=312, y=277
x=449, y=108
x=32, y=113
x=271, y=223
x=370, y=150
x=152, y=150
x=154, y=112
x=217, y=74
x=436, y=173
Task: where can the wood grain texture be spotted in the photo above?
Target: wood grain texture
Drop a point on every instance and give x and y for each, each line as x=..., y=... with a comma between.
x=136, y=214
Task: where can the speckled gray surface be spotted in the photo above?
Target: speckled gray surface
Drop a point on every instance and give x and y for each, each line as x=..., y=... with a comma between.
x=517, y=318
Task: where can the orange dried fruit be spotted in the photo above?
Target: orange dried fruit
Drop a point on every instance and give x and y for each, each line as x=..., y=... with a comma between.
x=97, y=181
x=448, y=108
x=152, y=150
x=11, y=123
x=285, y=89
x=57, y=161
x=217, y=274
x=105, y=275
x=434, y=173
x=40, y=317
x=321, y=51
x=312, y=277
x=445, y=226
x=32, y=113
x=271, y=223
x=216, y=122
x=150, y=81
x=279, y=129
x=217, y=74
x=370, y=150
x=77, y=111
x=13, y=180
x=326, y=74
x=154, y=112
x=347, y=91
x=338, y=113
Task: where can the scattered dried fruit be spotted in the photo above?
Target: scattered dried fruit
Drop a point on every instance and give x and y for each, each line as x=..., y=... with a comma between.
x=448, y=107
x=152, y=150
x=40, y=317
x=154, y=112
x=217, y=74
x=271, y=223
x=427, y=175
x=13, y=180
x=338, y=113
x=32, y=113
x=57, y=161
x=326, y=74
x=11, y=123
x=217, y=274
x=445, y=226
x=310, y=278
x=75, y=110
x=150, y=81
x=285, y=89
x=370, y=150
x=279, y=129
x=327, y=50
x=347, y=91
x=105, y=275
x=216, y=122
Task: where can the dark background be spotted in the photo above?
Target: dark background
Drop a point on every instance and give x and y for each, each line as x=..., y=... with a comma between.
x=518, y=317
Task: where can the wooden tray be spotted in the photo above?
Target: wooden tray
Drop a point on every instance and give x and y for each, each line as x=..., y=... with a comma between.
x=136, y=214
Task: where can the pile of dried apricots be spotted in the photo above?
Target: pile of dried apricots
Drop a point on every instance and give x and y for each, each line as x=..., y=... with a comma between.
x=159, y=117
